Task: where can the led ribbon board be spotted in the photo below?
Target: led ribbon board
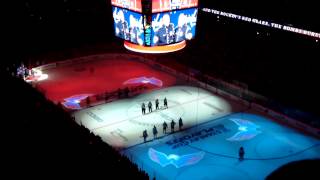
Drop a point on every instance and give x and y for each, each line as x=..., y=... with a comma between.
x=263, y=22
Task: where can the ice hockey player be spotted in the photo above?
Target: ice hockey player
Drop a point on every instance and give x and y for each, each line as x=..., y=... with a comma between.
x=150, y=106
x=165, y=102
x=155, y=132
x=180, y=123
x=157, y=104
x=165, y=125
x=143, y=108
x=172, y=126
x=145, y=135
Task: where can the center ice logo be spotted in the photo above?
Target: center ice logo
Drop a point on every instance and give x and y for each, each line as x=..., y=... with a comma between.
x=246, y=130
x=176, y=160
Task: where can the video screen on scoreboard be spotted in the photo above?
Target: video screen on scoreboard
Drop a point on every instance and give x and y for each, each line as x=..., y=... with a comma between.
x=168, y=5
x=175, y=26
x=134, y=5
x=128, y=25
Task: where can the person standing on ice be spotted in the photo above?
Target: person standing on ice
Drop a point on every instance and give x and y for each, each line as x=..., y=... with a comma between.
x=150, y=106
x=180, y=124
x=157, y=104
x=165, y=125
x=172, y=125
x=165, y=102
x=143, y=108
x=145, y=135
x=241, y=153
x=155, y=132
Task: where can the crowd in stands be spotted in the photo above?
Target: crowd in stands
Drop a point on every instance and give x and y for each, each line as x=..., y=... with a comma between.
x=41, y=138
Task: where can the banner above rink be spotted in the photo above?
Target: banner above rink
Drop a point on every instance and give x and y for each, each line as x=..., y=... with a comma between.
x=168, y=5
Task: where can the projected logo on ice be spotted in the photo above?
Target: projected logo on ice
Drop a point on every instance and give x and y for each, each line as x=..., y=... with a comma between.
x=73, y=102
x=176, y=160
x=246, y=130
x=144, y=80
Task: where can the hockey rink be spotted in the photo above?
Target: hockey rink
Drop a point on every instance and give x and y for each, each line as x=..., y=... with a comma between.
x=207, y=147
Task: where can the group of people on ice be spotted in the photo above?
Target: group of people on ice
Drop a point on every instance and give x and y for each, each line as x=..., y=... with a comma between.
x=164, y=127
x=143, y=106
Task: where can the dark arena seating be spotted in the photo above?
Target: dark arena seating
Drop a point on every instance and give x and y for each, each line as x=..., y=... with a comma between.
x=305, y=169
x=42, y=139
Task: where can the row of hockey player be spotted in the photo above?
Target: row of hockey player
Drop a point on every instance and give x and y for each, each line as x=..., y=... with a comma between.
x=165, y=126
x=143, y=106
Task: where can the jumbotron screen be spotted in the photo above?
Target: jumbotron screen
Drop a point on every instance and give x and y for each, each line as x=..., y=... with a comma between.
x=134, y=5
x=175, y=26
x=128, y=25
x=168, y=5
